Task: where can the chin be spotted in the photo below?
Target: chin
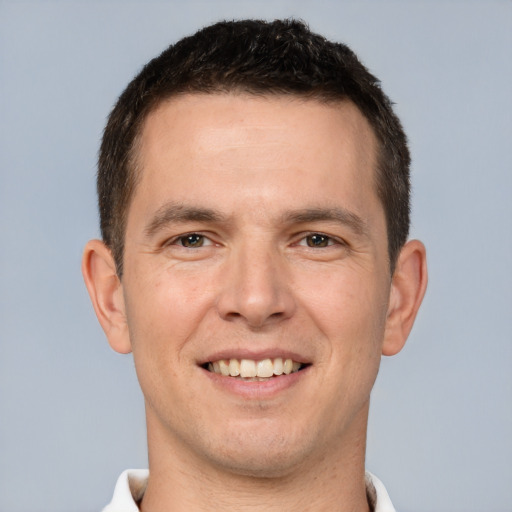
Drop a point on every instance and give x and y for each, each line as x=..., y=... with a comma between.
x=260, y=455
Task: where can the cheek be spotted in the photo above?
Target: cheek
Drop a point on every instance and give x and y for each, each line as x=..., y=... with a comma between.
x=349, y=308
x=350, y=311
x=163, y=314
x=164, y=308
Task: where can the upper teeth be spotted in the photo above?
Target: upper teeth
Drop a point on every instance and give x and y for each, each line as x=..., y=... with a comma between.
x=247, y=368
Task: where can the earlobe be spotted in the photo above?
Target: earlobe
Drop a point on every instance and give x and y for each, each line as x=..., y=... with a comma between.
x=106, y=292
x=407, y=290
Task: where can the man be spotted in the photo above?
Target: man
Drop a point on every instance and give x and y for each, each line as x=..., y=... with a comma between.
x=254, y=198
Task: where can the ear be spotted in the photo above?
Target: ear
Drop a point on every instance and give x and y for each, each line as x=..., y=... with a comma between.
x=408, y=287
x=106, y=292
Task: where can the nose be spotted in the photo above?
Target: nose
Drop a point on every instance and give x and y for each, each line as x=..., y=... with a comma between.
x=256, y=288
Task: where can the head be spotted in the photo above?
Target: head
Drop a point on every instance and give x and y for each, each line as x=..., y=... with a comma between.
x=253, y=189
x=261, y=59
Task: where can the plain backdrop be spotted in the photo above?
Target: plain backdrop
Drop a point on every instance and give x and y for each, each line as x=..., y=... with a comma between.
x=71, y=412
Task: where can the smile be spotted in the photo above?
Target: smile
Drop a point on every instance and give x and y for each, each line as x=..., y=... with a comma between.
x=254, y=370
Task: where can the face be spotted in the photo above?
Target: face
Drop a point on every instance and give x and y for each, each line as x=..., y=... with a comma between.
x=256, y=245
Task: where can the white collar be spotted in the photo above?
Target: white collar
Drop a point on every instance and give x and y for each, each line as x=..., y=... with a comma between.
x=132, y=483
x=129, y=489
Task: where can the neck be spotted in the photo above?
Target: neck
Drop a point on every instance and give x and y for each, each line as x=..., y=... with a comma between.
x=180, y=480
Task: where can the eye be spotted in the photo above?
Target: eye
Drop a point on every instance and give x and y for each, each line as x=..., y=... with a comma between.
x=317, y=240
x=192, y=241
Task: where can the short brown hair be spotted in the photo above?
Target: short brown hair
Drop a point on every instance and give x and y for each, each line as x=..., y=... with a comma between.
x=257, y=57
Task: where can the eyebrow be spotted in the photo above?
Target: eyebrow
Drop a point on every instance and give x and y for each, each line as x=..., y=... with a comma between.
x=179, y=213
x=338, y=215
x=173, y=212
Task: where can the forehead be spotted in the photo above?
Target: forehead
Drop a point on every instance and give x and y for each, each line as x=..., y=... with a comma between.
x=294, y=146
x=204, y=114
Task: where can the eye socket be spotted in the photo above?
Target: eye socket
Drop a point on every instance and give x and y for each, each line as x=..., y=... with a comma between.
x=192, y=241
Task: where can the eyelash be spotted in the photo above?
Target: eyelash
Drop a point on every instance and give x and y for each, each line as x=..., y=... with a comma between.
x=323, y=238
x=180, y=240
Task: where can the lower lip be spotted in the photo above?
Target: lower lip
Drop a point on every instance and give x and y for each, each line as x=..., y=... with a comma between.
x=257, y=390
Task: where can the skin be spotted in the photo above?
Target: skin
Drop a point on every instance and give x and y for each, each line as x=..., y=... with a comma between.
x=256, y=182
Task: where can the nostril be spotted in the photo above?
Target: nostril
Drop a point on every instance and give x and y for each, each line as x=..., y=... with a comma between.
x=256, y=300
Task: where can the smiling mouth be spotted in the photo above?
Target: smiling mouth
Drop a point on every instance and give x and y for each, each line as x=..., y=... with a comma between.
x=252, y=370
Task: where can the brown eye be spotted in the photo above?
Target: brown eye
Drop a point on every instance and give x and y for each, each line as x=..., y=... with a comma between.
x=317, y=240
x=191, y=241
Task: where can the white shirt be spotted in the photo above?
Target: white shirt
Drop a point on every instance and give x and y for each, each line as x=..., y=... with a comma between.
x=132, y=483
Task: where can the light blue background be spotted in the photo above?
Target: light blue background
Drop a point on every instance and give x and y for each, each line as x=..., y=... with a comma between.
x=71, y=413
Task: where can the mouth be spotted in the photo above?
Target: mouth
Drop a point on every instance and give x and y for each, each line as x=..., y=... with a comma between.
x=254, y=370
